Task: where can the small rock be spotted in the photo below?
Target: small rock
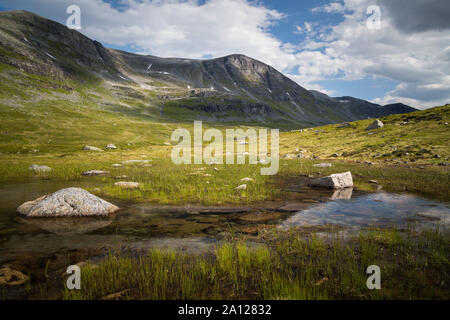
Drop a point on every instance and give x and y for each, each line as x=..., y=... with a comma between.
x=127, y=184
x=373, y=181
x=247, y=180
x=117, y=165
x=90, y=148
x=242, y=187
x=321, y=281
x=344, y=125
x=11, y=277
x=322, y=165
x=117, y=295
x=334, y=181
x=135, y=161
x=121, y=177
x=95, y=173
x=375, y=125
x=335, y=155
x=111, y=146
x=39, y=168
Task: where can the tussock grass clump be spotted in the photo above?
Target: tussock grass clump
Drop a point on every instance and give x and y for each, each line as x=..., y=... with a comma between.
x=414, y=265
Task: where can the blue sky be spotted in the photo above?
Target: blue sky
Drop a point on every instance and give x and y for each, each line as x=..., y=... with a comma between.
x=325, y=45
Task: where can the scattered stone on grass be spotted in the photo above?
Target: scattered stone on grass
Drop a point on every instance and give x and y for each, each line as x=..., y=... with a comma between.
x=95, y=173
x=375, y=125
x=91, y=148
x=39, y=168
x=322, y=165
x=127, y=184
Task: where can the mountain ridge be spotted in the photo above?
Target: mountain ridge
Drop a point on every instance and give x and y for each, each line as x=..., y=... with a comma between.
x=230, y=88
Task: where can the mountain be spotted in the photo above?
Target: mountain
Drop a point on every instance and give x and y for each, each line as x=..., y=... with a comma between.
x=235, y=88
x=362, y=109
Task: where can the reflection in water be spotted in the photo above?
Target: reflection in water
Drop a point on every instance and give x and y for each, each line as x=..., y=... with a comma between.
x=65, y=226
x=342, y=194
x=143, y=226
x=376, y=209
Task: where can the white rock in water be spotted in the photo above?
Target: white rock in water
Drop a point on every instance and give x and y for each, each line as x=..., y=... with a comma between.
x=90, y=148
x=242, y=187
x=39, y=168
x=375, y=125
x=69, y=202
x=95, y=173
x=334, y=181
x=111, y=146
x=322, y=165
x=127, y=184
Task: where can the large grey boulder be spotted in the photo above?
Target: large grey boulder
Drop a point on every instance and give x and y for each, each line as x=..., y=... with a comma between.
x=334, y=181
x=69, y=202
x=39, y=168
x=375, y=125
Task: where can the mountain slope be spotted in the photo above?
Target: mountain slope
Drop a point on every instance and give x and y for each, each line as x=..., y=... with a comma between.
x=232, y=88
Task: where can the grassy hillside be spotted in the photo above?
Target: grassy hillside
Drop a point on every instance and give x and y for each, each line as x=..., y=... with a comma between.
x=44, y=125
x=418, y=137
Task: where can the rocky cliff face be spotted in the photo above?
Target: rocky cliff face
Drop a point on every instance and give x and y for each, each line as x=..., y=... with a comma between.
x=235, y=83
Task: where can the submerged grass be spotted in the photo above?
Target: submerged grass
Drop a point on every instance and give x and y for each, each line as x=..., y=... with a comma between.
x=414, y=265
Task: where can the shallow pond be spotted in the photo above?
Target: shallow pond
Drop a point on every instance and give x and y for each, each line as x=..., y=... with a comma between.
x=195, y=229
